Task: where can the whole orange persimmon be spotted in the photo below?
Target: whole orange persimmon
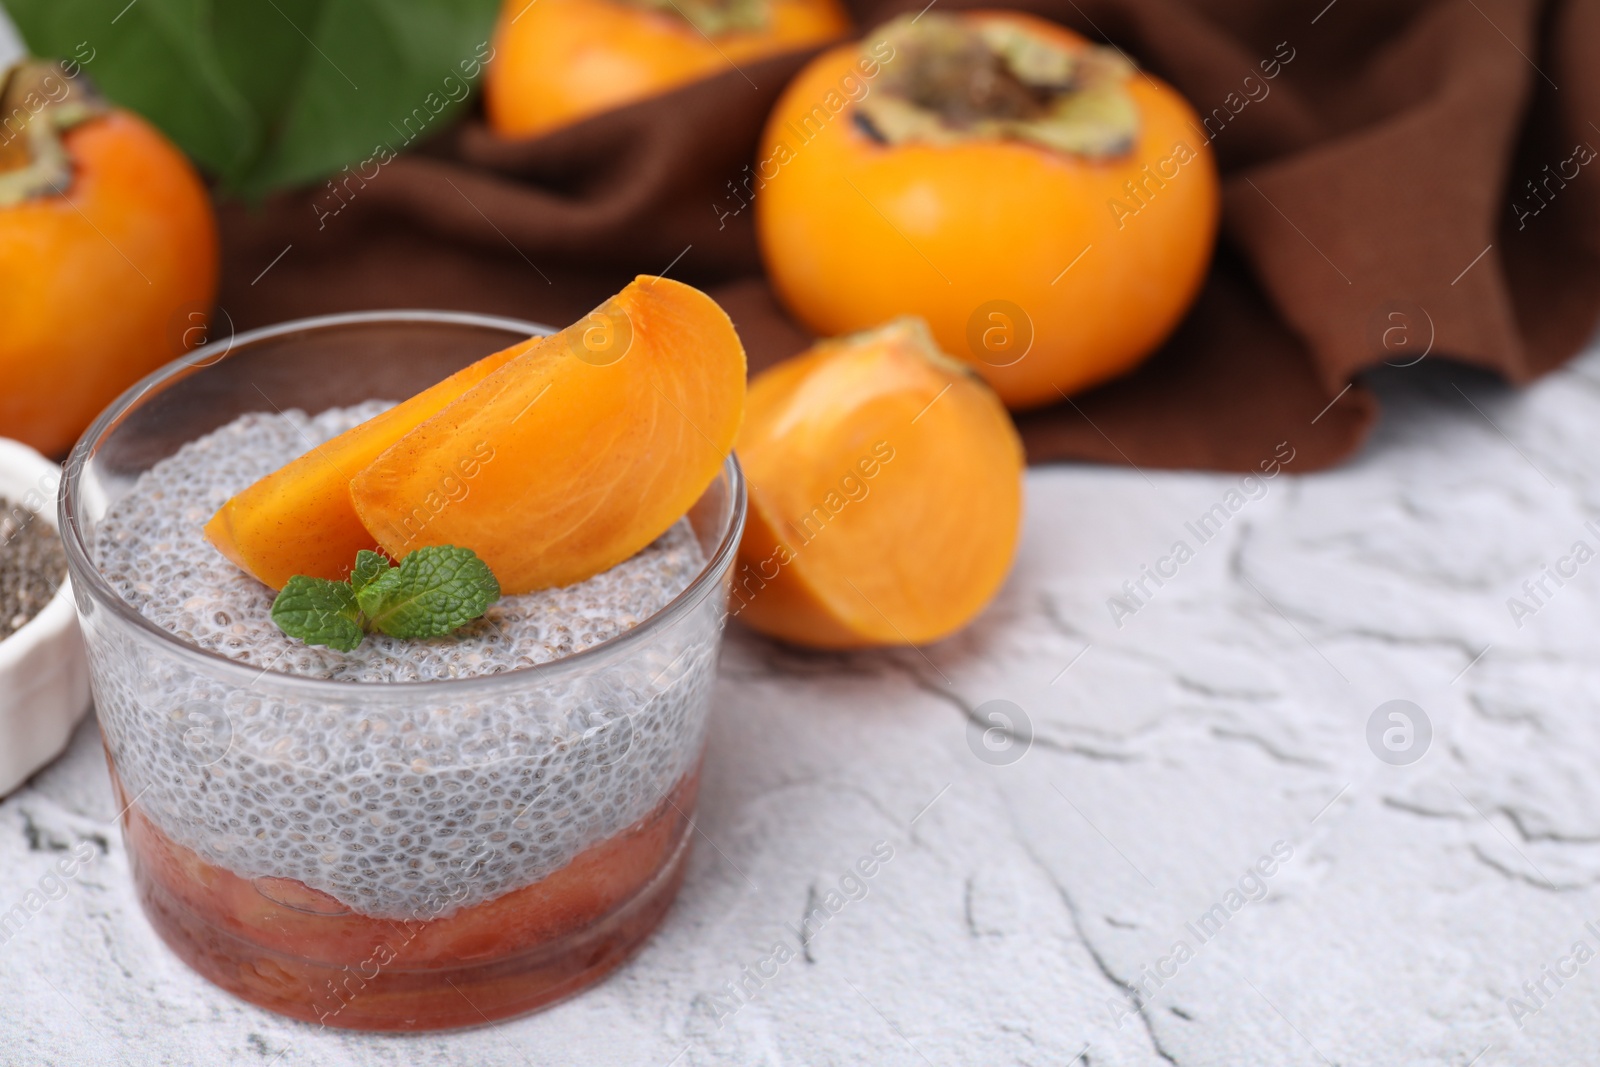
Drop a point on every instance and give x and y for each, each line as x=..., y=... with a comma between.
x=108, y=255
x=1047, y=208
x=558, y=61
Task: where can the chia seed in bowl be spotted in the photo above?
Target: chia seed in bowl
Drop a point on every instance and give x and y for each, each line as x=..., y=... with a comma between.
x=32, y=566
x=557, y=764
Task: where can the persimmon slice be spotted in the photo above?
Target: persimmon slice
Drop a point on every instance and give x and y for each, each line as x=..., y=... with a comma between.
x=588, y=446
x=299, y=519
x=885, y=493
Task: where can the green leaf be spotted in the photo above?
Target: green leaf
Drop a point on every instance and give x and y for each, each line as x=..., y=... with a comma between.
x=373, y=594
x=369, y=565
x=383, y=76
x=155, y=59
x=434, y=590
x=319, y=612
x=268, y=93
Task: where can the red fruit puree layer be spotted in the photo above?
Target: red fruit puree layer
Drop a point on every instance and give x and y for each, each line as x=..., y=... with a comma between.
x=300, y=952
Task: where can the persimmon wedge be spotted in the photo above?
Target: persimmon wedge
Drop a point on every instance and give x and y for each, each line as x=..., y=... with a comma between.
x=885, y=493
x=596, y=441
x=299, y=519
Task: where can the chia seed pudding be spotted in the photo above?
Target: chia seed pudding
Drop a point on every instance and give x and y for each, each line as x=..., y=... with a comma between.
x=384, y=799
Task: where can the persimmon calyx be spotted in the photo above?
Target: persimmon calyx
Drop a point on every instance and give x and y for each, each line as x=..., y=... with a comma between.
x=39, y=103
x=713, y=17
x=955, y=80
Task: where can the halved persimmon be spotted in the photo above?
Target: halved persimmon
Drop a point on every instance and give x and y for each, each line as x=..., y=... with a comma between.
x=1047, y=208
x=601, y=438
x=559, y=61
x=299, y=519
x=885, y=493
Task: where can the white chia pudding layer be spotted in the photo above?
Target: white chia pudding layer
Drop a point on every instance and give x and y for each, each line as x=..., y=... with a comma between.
x=398, y=801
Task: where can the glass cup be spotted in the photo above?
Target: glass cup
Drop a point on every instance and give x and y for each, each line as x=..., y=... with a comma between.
x=372, y=855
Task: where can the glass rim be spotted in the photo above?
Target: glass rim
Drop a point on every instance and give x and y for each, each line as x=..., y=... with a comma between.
x=86, y=576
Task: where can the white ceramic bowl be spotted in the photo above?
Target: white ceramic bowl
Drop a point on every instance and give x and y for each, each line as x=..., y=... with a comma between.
x=44, y=677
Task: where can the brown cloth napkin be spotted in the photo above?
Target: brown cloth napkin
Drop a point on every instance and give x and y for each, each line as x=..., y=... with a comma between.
x=1405, y=184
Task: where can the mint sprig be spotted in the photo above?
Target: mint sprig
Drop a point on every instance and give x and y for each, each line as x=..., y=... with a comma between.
x=434, y=591
x=319, y=612
x=369, y=565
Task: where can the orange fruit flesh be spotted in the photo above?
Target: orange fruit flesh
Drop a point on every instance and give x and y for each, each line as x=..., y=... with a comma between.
x=554, y=459
x=508, y=954
x=299, y=519
x=885, y=494
x=601, y=438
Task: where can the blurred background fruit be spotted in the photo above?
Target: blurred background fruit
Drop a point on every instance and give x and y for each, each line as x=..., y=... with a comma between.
x=558, y=61
x=108, y=252
x=885, y=483
x=1048, y=209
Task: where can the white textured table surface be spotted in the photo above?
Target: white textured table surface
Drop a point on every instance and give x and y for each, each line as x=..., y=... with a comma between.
x=1026, y=902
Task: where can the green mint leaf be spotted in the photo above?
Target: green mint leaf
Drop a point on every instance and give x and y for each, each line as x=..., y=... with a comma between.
x=434, y=590
x=374, y=594
x=369, y=565
x=319, y=612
